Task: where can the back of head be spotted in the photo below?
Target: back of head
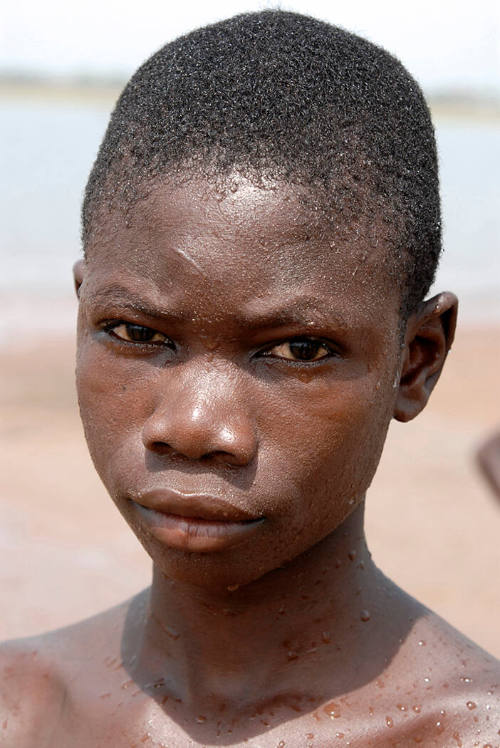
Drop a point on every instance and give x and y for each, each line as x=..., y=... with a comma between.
x=282, y=96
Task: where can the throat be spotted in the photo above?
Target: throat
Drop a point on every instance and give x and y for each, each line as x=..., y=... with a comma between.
x=249, y=645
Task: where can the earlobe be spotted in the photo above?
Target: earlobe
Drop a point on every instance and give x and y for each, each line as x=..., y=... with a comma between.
x=78, y=275
x=428, y=338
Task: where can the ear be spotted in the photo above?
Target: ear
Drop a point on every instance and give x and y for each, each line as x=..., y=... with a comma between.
x=429, y=335
x=78, y=275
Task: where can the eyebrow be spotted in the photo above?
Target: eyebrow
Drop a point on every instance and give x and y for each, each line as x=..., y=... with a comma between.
x=116, y=294
x=302, y=309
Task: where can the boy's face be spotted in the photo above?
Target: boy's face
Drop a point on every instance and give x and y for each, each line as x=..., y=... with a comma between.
x=235, y=372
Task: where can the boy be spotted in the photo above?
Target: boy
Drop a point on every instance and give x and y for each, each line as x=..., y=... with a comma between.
x=260, y=228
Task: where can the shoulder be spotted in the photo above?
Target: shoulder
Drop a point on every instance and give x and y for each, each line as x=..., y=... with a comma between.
x=454, y=684
x=42, y=678
x=31, y=695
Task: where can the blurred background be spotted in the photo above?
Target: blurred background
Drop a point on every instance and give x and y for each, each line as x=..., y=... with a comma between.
x=433, y=522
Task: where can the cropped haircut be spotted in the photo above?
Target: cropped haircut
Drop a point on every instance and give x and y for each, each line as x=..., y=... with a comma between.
x=283, y=96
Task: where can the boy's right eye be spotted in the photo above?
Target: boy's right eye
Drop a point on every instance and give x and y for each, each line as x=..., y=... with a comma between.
x=133, y=333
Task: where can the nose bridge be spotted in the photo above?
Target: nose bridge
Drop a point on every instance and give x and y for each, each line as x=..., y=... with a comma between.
x=208, y=396
x=201, y=409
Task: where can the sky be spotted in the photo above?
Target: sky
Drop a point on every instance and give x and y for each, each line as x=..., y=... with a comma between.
x=444, y=43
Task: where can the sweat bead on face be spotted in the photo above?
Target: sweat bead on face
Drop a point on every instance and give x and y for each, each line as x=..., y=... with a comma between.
x=235, y=380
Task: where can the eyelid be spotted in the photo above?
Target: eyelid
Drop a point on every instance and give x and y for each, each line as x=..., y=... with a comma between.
x=332, y=350
x=111, y=325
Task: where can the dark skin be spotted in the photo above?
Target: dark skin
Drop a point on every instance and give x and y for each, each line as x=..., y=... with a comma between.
x=236, y=379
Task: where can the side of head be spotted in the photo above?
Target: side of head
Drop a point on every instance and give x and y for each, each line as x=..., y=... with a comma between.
x=283, y=96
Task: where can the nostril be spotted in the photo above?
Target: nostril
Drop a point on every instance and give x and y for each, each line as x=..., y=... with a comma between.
x=159, y=447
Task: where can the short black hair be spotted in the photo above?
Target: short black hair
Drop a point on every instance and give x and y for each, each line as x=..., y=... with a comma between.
x=284, y=95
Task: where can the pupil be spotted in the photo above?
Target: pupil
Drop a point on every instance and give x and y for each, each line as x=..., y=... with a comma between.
x=304, y=349
x=139, y=333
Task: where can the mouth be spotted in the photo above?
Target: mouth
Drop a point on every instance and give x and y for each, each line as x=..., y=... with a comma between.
x=193, y=522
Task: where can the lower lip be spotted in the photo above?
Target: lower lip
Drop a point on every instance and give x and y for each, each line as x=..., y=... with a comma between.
x=194, y=534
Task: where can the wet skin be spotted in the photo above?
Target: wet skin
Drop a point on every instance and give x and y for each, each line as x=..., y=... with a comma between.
x=238, y=367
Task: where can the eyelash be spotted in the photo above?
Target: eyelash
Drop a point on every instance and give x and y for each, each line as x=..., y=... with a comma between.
x=111, y=327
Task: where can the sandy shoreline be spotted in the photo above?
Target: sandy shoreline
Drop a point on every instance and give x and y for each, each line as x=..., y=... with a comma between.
x=432, y=523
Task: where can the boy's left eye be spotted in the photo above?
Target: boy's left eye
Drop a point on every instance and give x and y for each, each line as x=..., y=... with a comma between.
x=300, y=349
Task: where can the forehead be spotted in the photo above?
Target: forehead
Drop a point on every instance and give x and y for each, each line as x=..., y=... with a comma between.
x=240, y=240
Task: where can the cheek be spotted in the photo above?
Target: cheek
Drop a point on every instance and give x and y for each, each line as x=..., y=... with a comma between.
x=112, y=407
x=331, y=441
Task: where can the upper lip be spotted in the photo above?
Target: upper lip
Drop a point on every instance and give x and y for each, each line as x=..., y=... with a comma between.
x=195, y=506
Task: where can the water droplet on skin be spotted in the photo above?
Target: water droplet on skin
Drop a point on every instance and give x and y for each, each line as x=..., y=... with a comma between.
x=339, y=735
x=352, y=555
x=305, y=376
x=201, y=719
x=208, y=344
x=401, y=707
x=370, y=711
x=417, y=709
x=281, y=744
x=232, y=587
x=466, y=679
x=127, y=683
x=332, y=710
x=326, y=637
x=365, y=615
x=427, y=679
x=471, y=705
x=439, y=727
x=291, y=655
x=421, y=643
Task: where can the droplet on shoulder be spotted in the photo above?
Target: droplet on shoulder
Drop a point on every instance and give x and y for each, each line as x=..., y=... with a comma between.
x=332, y=710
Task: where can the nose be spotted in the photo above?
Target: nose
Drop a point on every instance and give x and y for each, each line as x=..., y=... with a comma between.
x=201, y=415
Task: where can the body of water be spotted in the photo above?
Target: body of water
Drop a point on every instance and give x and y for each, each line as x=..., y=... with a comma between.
x=48, y=148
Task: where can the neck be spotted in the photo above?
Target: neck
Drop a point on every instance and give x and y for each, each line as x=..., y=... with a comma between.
x=244, y=645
